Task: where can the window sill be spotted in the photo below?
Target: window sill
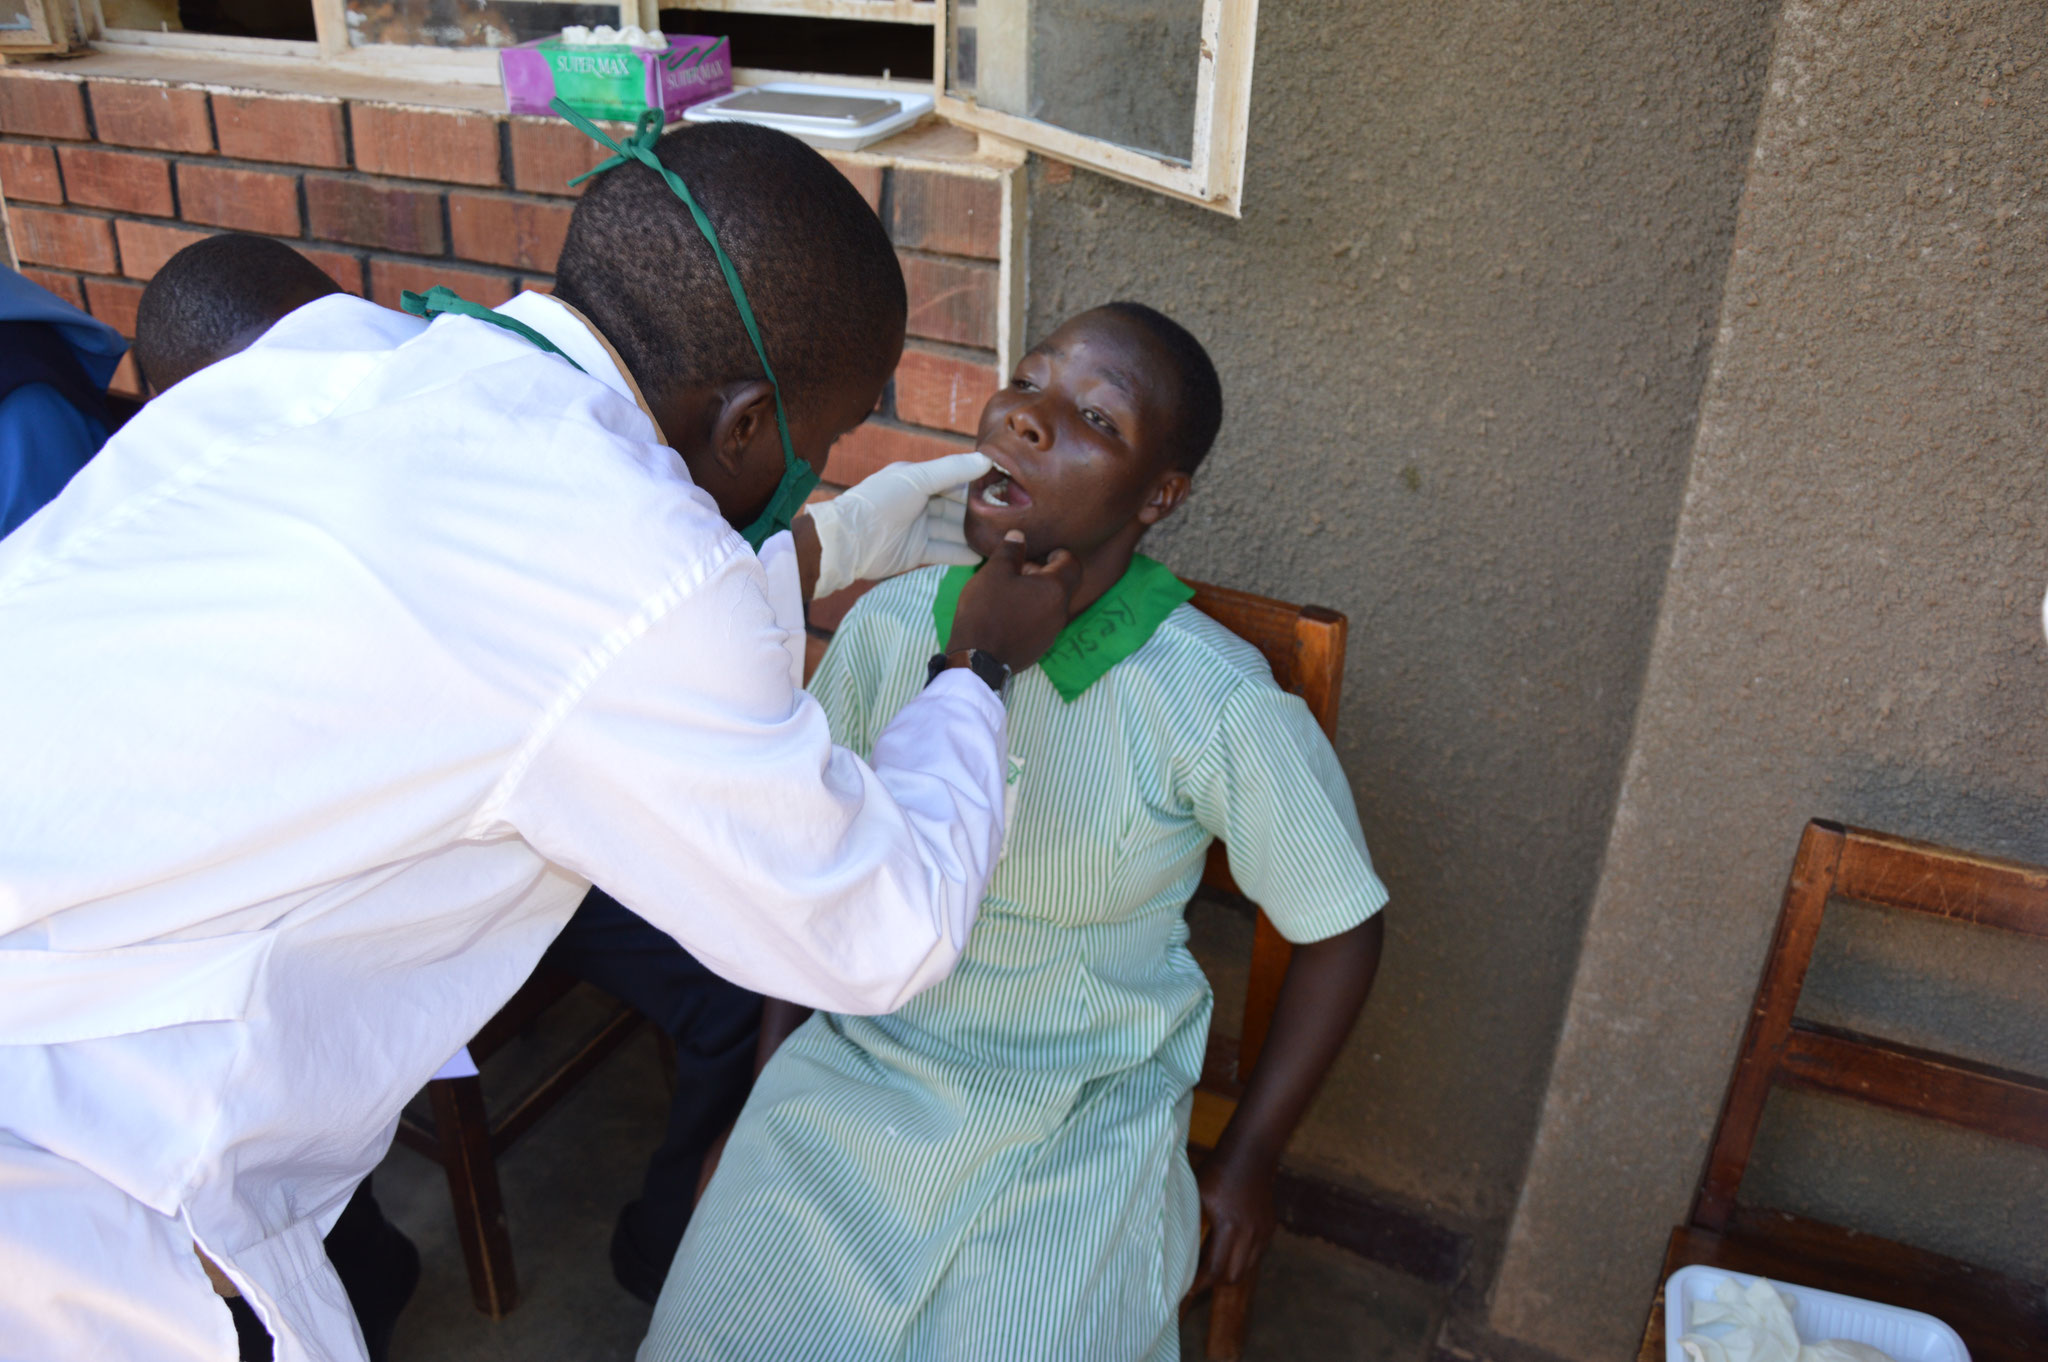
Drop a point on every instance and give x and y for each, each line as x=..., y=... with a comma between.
x=455, y=82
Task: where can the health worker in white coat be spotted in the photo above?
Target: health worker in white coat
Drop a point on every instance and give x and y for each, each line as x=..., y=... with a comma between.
x=337, y=677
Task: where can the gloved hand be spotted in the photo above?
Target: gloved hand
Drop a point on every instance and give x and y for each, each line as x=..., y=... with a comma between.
x=905, y=516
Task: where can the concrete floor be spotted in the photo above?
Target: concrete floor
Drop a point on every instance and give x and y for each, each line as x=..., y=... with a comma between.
x=565, y=1181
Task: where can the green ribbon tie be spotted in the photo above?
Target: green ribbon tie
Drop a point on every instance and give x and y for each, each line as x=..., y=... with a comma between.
x=798, y=477
x=440, y=299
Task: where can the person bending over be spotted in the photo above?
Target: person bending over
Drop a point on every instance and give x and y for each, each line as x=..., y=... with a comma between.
x=214, y=298
x=998, y=1169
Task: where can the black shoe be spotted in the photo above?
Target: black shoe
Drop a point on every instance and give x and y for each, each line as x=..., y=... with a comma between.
x=638, y=1270
x=379, y=1268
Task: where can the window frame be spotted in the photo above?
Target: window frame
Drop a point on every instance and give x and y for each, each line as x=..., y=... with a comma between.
x=1214, y=174
x=56, y=27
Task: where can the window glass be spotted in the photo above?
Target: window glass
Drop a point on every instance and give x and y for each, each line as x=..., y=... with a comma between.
x=467, y=23
x=1123, y=71
x=834, y=47
x=290, y=19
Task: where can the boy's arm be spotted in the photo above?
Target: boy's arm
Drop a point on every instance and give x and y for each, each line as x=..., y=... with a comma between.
x=1326, y=984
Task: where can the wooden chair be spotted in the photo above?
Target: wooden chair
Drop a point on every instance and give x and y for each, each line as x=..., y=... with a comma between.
x=2002, y=1320
x=1304, y=645
x=466, y=1141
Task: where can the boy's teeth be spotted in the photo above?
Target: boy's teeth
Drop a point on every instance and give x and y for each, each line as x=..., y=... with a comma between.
x=997, y=492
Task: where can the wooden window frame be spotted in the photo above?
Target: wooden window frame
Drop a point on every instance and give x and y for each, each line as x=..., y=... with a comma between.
x=1212, y=177
x=55, y=26
x=1214, y=173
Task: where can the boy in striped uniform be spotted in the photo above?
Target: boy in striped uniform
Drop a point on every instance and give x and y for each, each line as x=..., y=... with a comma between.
x=999, y=1169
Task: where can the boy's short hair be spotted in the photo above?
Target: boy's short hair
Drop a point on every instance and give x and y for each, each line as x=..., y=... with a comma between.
x=1198, y=411
x=214, y=297
x=818, y=269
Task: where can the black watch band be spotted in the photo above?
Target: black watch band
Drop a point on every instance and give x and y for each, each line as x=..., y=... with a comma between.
x=993, y=671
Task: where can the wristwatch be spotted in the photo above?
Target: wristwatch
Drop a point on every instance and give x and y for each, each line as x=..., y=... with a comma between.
x=991, y=669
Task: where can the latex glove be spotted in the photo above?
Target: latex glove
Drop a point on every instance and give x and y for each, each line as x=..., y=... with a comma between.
x=905, y=516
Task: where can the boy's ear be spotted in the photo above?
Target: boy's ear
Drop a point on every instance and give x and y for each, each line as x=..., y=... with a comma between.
x=746, y=410
x=1169, y=490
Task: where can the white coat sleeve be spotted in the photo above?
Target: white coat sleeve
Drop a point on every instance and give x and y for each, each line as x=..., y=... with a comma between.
x=694, y=781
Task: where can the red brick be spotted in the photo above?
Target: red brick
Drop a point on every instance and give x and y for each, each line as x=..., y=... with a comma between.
x=28, y=173
x=547, y=153
x=300, y=132
x=247, y=200
x=952, y=214
x=422, y=145
x=366, y=214
x=872, y=445
x=65, y=286
x=42, y=106
x=500, y=230
x=343, y=268
x=127, y=381
x=71, y=240
x=146, y=245
x=120, y=180
x=943, y=392
x=537, y=283
x=951, y=301
x=389, y=278
x=867, y=179
x=154, y=116
x=114, y=302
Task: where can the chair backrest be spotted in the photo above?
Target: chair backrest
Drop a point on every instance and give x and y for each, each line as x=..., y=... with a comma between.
x=1304, y=645
x=1891, y=872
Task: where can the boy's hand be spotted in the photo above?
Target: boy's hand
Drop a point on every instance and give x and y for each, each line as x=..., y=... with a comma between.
x=1237, y=1204
x=1013, y=609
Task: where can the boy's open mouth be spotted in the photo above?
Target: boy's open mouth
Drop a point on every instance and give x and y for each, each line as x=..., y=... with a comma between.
x=998, y=489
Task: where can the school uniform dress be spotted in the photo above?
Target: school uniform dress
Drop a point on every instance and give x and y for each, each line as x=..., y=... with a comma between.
x=998, y=1168
x=330, y=686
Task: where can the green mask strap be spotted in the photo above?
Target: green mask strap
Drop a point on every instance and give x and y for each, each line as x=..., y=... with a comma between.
x=440, y=299
x=798, y=477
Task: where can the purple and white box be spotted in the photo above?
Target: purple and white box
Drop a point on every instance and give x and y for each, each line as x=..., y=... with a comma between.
x=615, y=81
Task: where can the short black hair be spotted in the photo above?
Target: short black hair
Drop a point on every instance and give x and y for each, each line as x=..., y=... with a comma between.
x=216, y=296
x=1198, y=411
x=825, y=286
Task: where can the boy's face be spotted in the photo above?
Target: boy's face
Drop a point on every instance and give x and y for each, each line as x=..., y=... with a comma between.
x=1079, y=443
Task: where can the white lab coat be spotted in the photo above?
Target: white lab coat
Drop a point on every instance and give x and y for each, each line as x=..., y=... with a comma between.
x=325, y=691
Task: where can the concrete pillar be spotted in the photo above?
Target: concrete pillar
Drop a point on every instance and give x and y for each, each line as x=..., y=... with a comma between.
x=1850, y=628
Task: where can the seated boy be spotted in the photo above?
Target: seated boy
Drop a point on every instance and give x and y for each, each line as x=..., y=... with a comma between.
x=999, y=1168
x=214, y=298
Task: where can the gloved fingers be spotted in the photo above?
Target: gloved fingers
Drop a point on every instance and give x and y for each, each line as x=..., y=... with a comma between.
x=951, y=555
x=936, y=475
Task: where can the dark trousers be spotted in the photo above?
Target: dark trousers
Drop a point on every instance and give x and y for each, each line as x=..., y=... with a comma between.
x=714, y=1025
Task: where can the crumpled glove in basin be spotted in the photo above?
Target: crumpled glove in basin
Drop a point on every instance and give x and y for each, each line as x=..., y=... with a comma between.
x=1762, y=1330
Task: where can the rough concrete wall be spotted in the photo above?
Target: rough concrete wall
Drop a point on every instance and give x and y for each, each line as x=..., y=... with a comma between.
x=1462, y=328
x=1850, y=629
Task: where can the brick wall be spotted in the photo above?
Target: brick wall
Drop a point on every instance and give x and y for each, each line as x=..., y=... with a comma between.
x=106, y=179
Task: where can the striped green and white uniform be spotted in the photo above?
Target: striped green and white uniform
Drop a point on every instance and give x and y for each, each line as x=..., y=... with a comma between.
x=999, y=1170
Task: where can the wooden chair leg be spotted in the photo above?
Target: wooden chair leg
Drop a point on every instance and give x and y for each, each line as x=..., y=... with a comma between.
x=1230, y=1309
x=464, y=1133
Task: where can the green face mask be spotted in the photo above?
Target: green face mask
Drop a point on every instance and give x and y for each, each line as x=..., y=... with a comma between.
x=798, y=477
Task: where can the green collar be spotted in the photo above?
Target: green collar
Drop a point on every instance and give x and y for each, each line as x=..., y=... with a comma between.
x=1099, y=637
